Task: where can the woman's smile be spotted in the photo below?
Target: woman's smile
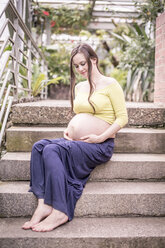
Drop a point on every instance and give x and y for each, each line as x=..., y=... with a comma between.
x=83, y=73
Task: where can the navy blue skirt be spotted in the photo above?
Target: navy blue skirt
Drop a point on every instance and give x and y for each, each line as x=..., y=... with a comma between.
x=60, y=168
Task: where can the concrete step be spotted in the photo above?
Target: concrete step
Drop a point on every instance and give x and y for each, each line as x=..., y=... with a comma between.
x=99, y=199
x=57, y=112
x=129, y=140
x=16, y=166
x=87, y=233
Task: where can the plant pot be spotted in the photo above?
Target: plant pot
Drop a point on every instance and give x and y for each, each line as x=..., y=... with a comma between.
x=59, y=91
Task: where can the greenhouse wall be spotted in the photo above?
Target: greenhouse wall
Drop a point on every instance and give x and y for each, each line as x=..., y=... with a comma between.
x=159, y=95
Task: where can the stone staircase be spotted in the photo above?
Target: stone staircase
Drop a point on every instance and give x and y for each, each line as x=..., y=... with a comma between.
x=123, y=204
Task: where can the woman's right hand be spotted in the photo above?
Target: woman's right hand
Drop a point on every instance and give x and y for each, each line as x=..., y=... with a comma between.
x=66, y=135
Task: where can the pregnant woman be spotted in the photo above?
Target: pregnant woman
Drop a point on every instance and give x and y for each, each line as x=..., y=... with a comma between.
x=61, y=167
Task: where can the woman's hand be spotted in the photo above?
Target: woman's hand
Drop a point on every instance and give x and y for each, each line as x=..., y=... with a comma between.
x=92, y=138
x=109, y=133
x=66, y=135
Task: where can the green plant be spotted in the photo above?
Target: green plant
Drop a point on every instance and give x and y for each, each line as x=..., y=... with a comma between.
x=41, y=83
x=148, y=11
x=8, y=48
x=138, y=59
x=137, y=48
x=120, y=76
x=63, y=19
x=59, y=62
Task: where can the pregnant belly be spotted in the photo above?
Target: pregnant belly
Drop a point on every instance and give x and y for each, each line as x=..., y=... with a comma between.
x=84, y=124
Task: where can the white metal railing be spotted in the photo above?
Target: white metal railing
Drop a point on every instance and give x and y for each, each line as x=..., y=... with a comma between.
x=18, y=54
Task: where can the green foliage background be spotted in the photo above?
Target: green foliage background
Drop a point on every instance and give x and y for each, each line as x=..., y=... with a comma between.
x=131, y=46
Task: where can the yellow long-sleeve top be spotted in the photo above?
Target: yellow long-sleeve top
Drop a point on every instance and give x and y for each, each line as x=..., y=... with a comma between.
x=109, y=104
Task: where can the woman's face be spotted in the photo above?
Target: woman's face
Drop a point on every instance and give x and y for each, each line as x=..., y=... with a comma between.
x=80, y=64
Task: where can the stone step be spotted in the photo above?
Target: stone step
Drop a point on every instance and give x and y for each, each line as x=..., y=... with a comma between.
x=57, y=112
x=129, y=140
x=99, y=199
x=139, y=232
x=16, y=166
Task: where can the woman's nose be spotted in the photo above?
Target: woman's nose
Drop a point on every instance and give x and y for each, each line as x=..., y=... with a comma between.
x=81, y=68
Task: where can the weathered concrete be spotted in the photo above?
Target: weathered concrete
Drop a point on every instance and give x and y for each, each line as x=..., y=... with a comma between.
x=131, y=167
x=87, y=233
x=98, y=199
x=48, y=112
x=22, y=138
x=145, y=114
x=57, y=112
x=16, y=166
x=129, y=140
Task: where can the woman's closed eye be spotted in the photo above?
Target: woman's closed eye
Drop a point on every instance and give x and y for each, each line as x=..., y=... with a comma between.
x=82, y=64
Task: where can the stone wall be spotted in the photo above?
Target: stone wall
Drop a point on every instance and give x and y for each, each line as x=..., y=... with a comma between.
x=159, y=93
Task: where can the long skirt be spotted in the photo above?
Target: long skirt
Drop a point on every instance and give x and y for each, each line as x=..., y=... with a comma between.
x=60, y=169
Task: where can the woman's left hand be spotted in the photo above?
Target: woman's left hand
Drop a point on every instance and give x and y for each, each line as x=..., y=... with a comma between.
x=92, y=138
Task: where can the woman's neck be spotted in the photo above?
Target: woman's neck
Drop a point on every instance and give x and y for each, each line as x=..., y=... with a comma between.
x=96, y=77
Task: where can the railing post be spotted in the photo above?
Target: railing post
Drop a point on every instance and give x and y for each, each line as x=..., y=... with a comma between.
x=29, y=66
x=48, y=32
x=22, y=54
x=15, y=67
x=44, y=90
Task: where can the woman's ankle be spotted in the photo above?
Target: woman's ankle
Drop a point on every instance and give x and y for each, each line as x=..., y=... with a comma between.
x=40, y=201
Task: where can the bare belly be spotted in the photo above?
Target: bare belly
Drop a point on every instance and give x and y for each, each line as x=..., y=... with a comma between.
x=84, y=124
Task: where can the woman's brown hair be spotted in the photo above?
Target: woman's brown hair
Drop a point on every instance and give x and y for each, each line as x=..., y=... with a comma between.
x=88, y=53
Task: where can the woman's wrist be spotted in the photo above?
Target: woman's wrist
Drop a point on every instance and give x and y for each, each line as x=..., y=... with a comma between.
x=101, y=138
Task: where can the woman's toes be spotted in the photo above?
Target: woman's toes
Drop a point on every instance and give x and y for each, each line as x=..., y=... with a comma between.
x=27, y=225
x=37, y=228
x=55, y=219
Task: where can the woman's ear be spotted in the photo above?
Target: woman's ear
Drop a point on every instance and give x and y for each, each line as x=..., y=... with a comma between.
x=93, y=60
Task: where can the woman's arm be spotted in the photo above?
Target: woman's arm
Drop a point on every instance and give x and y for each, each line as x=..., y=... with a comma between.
x=117, y=100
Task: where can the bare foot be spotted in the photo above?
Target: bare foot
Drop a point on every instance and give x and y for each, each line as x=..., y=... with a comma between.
x=55, y=219
x=42, y=211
